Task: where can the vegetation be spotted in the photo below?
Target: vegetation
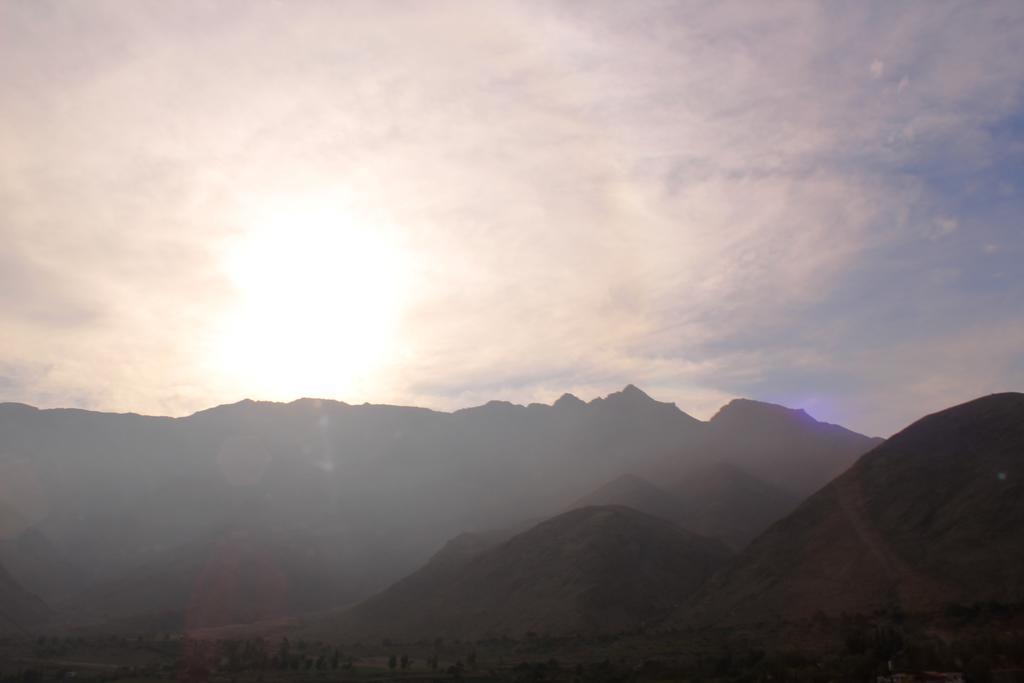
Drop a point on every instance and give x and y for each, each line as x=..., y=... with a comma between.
x=978, y=639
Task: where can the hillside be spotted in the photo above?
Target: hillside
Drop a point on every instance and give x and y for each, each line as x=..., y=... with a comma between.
x=723, y=501
x=596, y=569
x=934, y=515
x=19, y=609
x=639, y=494
x=784, y=447
x=714, y=499
x=352, y=497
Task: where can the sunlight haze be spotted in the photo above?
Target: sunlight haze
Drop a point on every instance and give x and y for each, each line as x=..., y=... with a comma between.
x=444, y=203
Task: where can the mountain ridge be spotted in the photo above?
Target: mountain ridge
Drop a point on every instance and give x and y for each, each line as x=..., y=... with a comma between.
x=590, y=570
x=111, y=492
x=930, y=517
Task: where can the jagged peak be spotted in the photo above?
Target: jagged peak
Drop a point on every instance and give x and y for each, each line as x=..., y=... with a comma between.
x=634, y=390
x=629, y=393
x=567, y=400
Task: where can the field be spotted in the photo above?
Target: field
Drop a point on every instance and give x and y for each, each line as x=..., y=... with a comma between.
x=987, y=641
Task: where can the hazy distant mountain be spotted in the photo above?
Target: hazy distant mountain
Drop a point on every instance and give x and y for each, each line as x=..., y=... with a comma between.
x=782, y=446
x=239, y=575
x=595, y=569
x=345, y=499
x=715, y=499
x=723, y=501
x=634, y=492
x=39, y=567
x=19, y=609
x=934, y=515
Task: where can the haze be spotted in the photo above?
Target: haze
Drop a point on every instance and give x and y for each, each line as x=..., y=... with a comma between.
x=439, y=203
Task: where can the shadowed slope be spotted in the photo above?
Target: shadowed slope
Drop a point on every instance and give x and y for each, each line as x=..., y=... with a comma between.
x=19, y=609
x=714, y=499
x=785, y=447
x=933, y=515
x=634, y=492
x=596, y=569
x=723, y=501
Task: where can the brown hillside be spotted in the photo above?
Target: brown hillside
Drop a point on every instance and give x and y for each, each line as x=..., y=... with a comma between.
x=932, y=516
x=596, y=569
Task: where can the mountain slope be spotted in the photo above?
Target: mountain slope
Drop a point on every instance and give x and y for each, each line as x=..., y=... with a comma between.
x=124, y=501
x=721, y=500
x=934, y=515
x=596, y=569
x=639, y=494
x=714, y=499
x=36, y=565
x=19, y=609
x=783, y=446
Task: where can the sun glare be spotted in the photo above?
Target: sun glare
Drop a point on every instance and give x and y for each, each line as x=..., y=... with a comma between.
x=319, y=296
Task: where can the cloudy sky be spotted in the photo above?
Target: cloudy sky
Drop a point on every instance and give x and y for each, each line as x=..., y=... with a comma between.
x=434, y=203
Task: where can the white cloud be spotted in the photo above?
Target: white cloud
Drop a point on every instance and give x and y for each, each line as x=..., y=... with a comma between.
x=585, y=194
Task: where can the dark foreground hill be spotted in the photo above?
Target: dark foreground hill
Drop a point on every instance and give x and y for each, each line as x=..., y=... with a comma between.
x=933, y=516
x=596, y=569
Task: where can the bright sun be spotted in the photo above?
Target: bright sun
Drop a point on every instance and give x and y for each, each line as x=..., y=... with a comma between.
x=320, y=294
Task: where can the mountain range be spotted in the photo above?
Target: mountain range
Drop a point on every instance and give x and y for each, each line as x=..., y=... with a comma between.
x=121, y=516
x=933, y=516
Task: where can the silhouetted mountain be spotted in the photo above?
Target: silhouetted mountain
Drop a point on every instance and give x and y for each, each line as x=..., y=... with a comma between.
x=595, y=569
x=347, y=498
x=721, y=500
x=782, y=446
x=932, y=516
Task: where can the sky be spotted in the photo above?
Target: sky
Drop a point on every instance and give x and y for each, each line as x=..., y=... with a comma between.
x=442, y=203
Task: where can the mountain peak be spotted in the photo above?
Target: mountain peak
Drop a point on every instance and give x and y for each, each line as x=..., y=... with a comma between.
x=568, y=400
x=922, y=520
x=629, y=394
x=741, y=408
x=633, y=390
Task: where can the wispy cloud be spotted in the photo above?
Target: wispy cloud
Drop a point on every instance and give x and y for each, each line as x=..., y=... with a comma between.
x=708, y=199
